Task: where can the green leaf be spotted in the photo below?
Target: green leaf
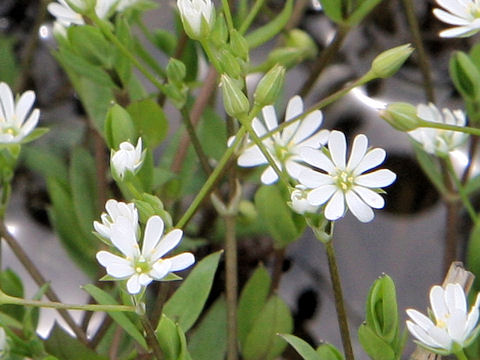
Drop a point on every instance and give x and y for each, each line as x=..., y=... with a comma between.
x=12, y=285
x=465, y=75
x=121, y=63
x=89, y=43
x=149, y=121
x=64, y=347
x=329, y=352
x=263, y=342
x=165, y=41
x=46, y=163
x=121, y=319
x=382, y=314
x=186, y=304
x=333, y=9
x=276, y=215
x=168, y=339
x=35, y=134
x=30, y=319
x=209, y=339
x=362, y=11
x=252, y=300
x=9, y=68
x=213, y=134
x=373, y=345
x=302, y=347
x=430, y=168
x=84, y=190
x=119, y=127
x=272, y=28
x=473, y=256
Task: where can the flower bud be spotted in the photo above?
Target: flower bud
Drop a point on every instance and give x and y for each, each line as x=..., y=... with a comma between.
x=219, y=34
x=176, y=71
x=239, y=45
x=299, y=202
x=234, y=100
x=270, y=86
x=301, y=41
x=229, y=63
x=388, y=62
x=150, y=205
x=401, y=116
x=127, y=158
x=465, y=75
x=198, y=17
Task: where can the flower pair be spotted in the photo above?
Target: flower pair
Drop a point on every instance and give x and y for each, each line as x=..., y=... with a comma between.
x=316, y=159
x=139, y=267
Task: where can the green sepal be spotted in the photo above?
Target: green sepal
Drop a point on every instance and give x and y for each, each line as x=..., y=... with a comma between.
x=373, y=345
x=119, y=127
x=465, y=75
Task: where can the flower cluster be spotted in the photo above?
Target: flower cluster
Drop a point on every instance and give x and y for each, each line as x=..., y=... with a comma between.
x=437, y=141
x=17, y=120
x=139, y=267
x=463, y=14
x=452, y=329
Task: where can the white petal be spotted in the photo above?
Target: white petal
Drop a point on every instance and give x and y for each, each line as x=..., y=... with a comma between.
x=421, y=320
x=30, y=124
x=270, y=117
x=252, y=156
x=308, y=126
x=6, y=101
x=454, y=6
x=317, y=158
x=160, y=269
x=449, y=18
x=421, y=335
x=317, y=140
x=437, y=302
x=294, y=108
x=362, y=211
x=167, y=243
x=313, y=179
x=472, y=317
x=294, y=168
x=181, y=261
x=460, y=31
x=24, y=106
x=258, y=127
x=455, y=298
x=456, y=326
x=372, y=198
x=372, y=159
x=269, y=176
x=376, y=179
x=359, y=149
x=321, y=194
x=144, y=279
x=133, y=285
x=124, y=238
x=116, y=266
x=337, y=145
x=441, y=337
x=153, y=233
x=335, y=208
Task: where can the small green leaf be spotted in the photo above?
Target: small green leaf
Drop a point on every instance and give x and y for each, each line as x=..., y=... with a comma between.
x=263, y=342
x=165, y=41
x=119, y=127
x=12, y=285
x=208, y=340
x=362, y=11
x=333, y=9
x=465, y=75
x=373, y=345
x=277, y=216
x=168, y=338
x=302, y=347
x=121, y=63
x=213, y=134
x=272, y=28
x=9, y=65
x=252, y=300
x=150, y=121
x=329, y=352
x=89, y=43
x=121, y=319
x=473, y=258
x=186, y=304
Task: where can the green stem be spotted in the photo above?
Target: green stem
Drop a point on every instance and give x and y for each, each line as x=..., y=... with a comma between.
x=461, y=191
x=12, y=300
x=339, y=302
x=111, y=36
x=150, y=337
x=251, y=16
x=231, y=285
x=461, y=355
x=434, y=125
x=211, y=56
x=228, y=15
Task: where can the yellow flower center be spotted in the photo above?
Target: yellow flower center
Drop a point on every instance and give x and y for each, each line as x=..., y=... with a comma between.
x=142, y=266
x=474, y=10
x=344, y=180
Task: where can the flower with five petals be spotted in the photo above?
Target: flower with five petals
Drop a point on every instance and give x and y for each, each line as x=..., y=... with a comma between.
x=463, y=14
x=116, y=209
x=342, y=184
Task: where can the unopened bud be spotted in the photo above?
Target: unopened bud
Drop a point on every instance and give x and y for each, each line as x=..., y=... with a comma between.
x=300, y=40
x=465, y=75
x=176, y=71
x=401, y=116
x=388, y=62
x=239, y=45
x=234, y=100
x=270, y=86
x=198, y=17
x=229, y=63
x=219, y=33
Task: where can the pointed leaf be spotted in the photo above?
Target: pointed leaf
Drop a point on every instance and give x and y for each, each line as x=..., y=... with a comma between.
x=302, y=347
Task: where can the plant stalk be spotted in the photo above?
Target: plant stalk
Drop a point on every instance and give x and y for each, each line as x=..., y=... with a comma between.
x=231, y=285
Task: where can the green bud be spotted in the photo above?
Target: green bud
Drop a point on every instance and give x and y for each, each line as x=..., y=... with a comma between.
x=119, y=127
x=465, y=75
x=150, y=205
x=239, y=45
x=388, y=62
x=329, y=352
x=229, y=63
x=301, y=41
x=198, y=21
x=234, y=100
x=176, y=71
x=401, y=116
x=270, y=86
x=219, y=33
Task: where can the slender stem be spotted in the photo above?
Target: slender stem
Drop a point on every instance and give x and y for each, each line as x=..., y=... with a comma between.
x=251, y=16
x=461, y=355
x=195, y=142
x=211, y=55
x=424, y=63
x=212, y=179
x=339, y=302
x=324, y=59
x=231, y=285
x=151, y=338
x=434, y=125
x=111, y=36
x=40, y=280
x=228, y=15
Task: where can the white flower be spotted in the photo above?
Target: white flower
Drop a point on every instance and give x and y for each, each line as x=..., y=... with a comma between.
x=197, y=16
x=284, y=147
x=464, y=14
x=142, y=267
x=127, y=158
x=438, y=141
x=4, y=348
x=299, y=202
x=17, y=120
x=341, y=182
x=123, y=4
x=115, y=210
x=452, y=328
x=66, y=16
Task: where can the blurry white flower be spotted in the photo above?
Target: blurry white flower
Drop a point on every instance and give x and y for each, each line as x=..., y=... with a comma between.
x=142, y=267
x=127, y=158
x=66, y=16
x=438, y=141
x=4, y=348
x=464, y=14
x=452, y=328
x=17, y=120
x=299, y=202
x=115, y=210
x=284, y=147
x=197, y=16
x=339, y=183
x=123, y=4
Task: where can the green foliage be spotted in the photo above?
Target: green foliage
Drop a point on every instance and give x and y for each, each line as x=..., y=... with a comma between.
x=186, y=305
x=8, y=63
x=12, y=285
x=149, y=121
x=302, y=347
x=473, y=258
x=119, y=127
x=89, y=43
x=333, y=9
x=171, y=339
x=465, y=75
